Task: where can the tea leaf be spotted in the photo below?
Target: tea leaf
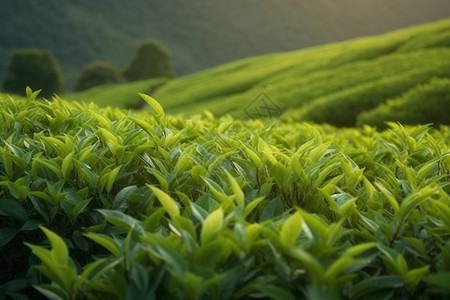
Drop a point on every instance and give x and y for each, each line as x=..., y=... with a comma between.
x=11, y=208
x=414, y=276
x=169, y=204
x=212, y=225
x=121, y=220
x=7, y=234
x=439, y=280
x=273, y=292
x=154, y=105
x=239, y=195
x=51, y=165
x=105, y=241
x=67, y=165
x=252, y=205
x=372, y=285
x=290, y=230
x=52, y=292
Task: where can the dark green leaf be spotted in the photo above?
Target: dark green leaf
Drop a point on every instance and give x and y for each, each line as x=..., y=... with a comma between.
x=376, y=284
x=30, y=225
x=273, y=209
x=15, y=285
x=7, y=234
x=273, y=292
x=11, y=208
x=440, y=280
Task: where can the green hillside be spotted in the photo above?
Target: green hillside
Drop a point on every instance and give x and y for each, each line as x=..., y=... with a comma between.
x=199, y=34
x=326, y=84
x=124, y=95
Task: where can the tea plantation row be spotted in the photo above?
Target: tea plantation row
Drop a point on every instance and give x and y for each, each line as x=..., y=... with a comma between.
x=105, y=203
x=332, y=83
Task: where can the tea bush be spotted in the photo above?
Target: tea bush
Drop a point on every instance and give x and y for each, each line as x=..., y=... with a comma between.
x=343, y=108
x=117, y=204
x=95, y=74
x=151, y=60
x=428, y=103
x=349, y=76
x=33, y=67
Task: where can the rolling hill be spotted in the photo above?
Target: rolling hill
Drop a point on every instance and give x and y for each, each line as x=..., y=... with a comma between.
x=325, y=84
x=200, y=34
x=124, y=95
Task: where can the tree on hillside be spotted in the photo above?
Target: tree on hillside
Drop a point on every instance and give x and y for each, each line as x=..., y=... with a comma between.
x=151, y=60
x=34, y=68
x=97, y=73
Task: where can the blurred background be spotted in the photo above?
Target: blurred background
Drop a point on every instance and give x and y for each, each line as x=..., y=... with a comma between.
x=198, y=34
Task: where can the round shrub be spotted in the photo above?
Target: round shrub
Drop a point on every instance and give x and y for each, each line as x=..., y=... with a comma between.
x=151, y=60
x=428, y=103
x=34, y=68
x=97, y=73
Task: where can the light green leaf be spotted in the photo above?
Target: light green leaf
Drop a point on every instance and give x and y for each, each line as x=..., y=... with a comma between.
x=239, y=195
x=67, y=165
x=212, y=225
x=253, y=156
x=154, y=105
x=413, y=200
x=388, y=195
x=59, y=252
x=290, y=230
x=414, y=276
x=106, y=242
x=216, y=190
x=121, y=220
x=51, y=165
x=110, y=178
x=31, y=96
x=169, y=204
x=252, y=205
x=313, y=266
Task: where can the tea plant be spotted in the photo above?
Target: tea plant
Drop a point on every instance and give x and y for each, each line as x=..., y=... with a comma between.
x=429, y=103
x=98, y=203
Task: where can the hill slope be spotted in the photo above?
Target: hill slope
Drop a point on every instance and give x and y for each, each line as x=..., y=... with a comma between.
x=359, y=74
x=124, y=95
x=199, y=34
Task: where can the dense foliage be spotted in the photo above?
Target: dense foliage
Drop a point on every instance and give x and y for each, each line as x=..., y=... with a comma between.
x=34, y=68
x=156, y=207
x=151, y=60
x=97, y=73
x=428, y=103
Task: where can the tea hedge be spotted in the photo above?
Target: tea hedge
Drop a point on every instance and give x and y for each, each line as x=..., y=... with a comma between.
x=427, y=103
x=343, y=108
x=106, y=203
x=351, y=76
